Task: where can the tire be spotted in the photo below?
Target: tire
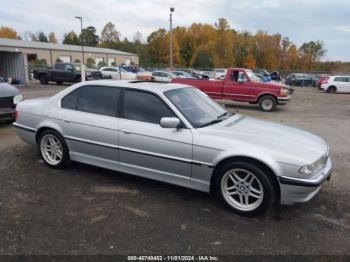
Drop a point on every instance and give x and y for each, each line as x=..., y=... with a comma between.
x=332, y=89
x=43, y=80
x=59, y=82
x=267, y=103
x=45, y=141
x=233, y=175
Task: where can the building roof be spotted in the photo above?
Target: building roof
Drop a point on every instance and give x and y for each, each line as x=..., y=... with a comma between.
x=43, y=45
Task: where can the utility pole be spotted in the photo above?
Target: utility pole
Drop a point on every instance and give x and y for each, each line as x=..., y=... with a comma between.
x=82, y=49
x=172, y=9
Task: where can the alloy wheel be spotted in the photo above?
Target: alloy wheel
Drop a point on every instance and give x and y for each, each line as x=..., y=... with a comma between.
x=51, y=149
x=242, y=189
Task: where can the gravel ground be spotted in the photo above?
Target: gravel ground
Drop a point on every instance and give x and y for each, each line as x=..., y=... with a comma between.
x=89, y=210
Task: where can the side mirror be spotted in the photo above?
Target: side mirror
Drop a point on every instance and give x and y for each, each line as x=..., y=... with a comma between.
x=169, y=122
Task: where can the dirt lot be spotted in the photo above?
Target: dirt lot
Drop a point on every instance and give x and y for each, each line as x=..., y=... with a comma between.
x=88, y=210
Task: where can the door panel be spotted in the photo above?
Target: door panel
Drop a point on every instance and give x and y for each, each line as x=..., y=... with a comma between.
x=150, y=146
x=242, y=91
x=144, y=144
x=88, y=117
x=90, y=134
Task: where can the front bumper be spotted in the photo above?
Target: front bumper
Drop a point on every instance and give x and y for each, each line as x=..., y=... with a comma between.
x=7, y=113
x=283, y=100
x=298, y=190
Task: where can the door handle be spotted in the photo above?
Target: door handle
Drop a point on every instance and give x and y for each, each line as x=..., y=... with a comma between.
x=66, y=120
x=126, y=131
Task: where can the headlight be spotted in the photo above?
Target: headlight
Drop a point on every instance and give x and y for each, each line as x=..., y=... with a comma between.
x=306, y=170
x=18, y=98
x=315, y=167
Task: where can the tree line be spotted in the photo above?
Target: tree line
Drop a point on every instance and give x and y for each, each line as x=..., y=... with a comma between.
x=200, y=46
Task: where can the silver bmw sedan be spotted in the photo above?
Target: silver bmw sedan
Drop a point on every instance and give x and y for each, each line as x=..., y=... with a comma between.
x=176, y=134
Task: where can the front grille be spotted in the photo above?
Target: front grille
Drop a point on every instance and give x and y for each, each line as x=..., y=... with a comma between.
x=6, y=102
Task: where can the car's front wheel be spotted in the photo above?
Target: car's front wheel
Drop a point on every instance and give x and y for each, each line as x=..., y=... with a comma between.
x=267, y=103
x=43, y=80
x=53, y=149
x=245, y=188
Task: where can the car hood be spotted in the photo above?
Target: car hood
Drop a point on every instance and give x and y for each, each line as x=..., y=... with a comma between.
x=284, y=143
x=7, y=90
x=89, y=70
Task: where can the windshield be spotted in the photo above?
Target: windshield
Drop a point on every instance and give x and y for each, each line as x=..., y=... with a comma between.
x=196, y=106
x=252, y=76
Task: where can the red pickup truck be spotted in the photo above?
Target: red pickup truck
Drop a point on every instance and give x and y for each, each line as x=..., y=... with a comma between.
x=242, y=85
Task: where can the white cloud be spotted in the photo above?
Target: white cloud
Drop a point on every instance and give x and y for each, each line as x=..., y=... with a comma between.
x=299, y=19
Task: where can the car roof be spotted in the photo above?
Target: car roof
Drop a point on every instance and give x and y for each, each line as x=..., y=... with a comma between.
x=153, y=86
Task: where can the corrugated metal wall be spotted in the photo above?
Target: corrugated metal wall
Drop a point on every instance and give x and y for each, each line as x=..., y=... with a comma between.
x=12, y=64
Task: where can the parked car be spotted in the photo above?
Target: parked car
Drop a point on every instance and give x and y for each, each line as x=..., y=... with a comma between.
x=319, y=79
x=181, y=74
x=10, y=96
x=274, y=76
x=64, y=72
x=176, y=134
x=130, y=69
x=337, y=84
x=244, y=86
x=220, y=73
x=144, y=75
x=163, y=76
x=209, y=74
x=299, y=79
x=117, y=73
x=263, y=78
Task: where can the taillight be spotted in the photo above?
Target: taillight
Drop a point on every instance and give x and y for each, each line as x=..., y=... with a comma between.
x=16, y=115
x=325, y=80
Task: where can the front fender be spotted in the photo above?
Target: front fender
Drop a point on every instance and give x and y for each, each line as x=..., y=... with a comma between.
x=253, y=153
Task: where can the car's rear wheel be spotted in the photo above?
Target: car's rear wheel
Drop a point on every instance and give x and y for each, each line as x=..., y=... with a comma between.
x=245, y=188
x=59, y=82
x=53, y=149
x=43, y=80
x=332, y=89
x=267, y=103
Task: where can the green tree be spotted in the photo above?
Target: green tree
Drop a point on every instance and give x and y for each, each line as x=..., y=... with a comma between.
x=89, y=37
x=42, y=37
x=310, y=53
x=101, y=64
x=90, y=62
x=109, y=33
x=40, y=63
x=71, y=38
x=203, y=57
x=186, y=50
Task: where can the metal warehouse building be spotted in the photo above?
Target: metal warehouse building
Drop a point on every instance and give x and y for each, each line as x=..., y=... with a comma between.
x=16, y=56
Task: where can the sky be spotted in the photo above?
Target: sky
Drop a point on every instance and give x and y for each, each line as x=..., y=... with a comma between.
x=301, y=21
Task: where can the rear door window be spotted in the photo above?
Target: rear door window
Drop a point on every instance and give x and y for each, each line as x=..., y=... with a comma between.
x=101, y=100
